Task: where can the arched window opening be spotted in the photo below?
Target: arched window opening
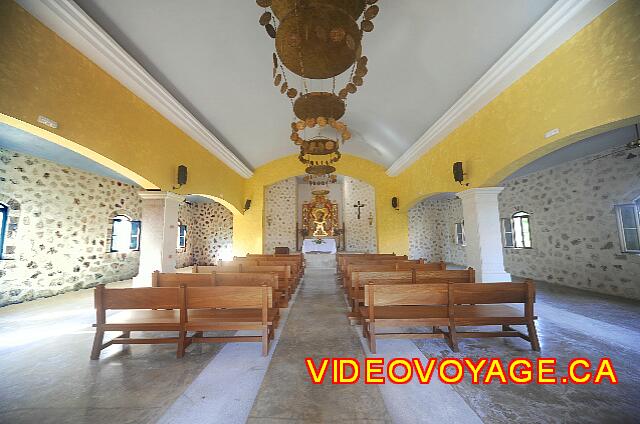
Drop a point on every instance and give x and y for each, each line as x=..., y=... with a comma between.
x=629, y=226
x=516, y=231
x=4, y=217
x=125, y=234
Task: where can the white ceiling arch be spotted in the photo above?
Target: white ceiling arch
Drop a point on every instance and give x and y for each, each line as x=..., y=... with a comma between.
x=205, y=65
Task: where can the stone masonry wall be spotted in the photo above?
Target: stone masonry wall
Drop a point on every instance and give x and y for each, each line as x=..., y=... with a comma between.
x=280, y=211
x=209, y=234
x=573, y=224
x=360, y=235
x=58, y=236
x=432, y=229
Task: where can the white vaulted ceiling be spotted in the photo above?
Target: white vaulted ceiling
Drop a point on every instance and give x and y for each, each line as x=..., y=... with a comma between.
x=215, y=59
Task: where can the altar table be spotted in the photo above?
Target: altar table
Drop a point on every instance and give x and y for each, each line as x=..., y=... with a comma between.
x=328, y=245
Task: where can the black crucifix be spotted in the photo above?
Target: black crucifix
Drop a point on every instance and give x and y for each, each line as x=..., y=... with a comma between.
x=359, y=206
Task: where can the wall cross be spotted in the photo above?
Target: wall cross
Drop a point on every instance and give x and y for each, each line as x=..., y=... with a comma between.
x=359, y=206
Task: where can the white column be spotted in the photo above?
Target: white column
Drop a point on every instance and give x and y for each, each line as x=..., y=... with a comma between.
x=159, y=234
x=482, y=231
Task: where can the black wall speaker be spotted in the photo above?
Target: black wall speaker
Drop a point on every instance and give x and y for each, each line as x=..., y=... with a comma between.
x=458, y=173
x=394, y=203
x=247, y=204
x=182, y=175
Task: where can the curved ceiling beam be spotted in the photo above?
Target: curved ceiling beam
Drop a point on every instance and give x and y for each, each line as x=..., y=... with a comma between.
x=560, y=23
x=80, y=149
x=71, y=23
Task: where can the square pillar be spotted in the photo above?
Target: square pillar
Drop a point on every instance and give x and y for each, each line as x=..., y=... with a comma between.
x=159, y=234
x=483, y=233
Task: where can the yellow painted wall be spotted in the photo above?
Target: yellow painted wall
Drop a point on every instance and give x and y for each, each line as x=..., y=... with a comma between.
x=588, y=85
x=392, y=227
x=40, y=74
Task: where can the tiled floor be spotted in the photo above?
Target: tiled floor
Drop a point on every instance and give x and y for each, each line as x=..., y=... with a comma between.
x=572, y=323
x=47, y=376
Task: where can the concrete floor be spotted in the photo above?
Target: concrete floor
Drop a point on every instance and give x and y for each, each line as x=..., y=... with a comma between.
x=316, y=328
x=47, y=376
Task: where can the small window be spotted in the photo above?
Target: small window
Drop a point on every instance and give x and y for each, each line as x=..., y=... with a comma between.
x=629, y=226
x=516, y=231
x=182, y=236
x=4, y=217
x=459, y=233
x=507, y=232
x=125, y=234
x=135, y=235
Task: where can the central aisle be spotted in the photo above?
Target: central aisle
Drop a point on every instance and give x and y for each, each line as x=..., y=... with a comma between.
x=317, y=327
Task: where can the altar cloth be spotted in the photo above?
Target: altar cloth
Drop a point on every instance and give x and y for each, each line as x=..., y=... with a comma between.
x=328, y=245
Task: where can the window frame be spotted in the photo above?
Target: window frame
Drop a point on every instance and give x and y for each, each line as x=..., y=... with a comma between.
x=621, y=228
x=520, y=215
x=462, y=240
x=137, y=224
x=3, y=227
x=182, y=236
x=134, y=224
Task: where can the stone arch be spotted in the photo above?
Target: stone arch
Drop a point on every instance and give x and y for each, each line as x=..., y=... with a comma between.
x=526, y=158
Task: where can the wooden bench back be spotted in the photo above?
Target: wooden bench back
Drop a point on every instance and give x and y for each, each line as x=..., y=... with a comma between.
x=160, y=279
x=491, y=293
x=406, y=294
x=247, y=279
x=238, y=261
x=428, y=266
x=345, y=258
x=228, y=297
x=237, y=267
x=137, y=298
x=453, y=276
x=374, y=261
x=293, y=266
x=283, y=271
x=361, y=278
x=203, y=269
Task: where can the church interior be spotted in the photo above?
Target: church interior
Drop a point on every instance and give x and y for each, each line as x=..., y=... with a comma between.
x=304, y=211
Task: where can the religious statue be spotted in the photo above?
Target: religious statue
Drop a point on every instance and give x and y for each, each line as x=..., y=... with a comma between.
x=320, y=222
x=320, y=215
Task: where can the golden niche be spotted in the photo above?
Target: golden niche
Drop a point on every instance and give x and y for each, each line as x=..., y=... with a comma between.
x=320, y=216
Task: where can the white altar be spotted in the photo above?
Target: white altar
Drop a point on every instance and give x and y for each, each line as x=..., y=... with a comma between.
x=328, y=245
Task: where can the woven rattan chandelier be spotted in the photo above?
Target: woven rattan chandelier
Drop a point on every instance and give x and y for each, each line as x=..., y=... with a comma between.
x=318, y=46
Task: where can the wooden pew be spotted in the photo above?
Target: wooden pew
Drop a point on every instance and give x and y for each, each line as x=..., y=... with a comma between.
x=295, y=270
x=405, y=305
x=203, y=269
x=163, y=279
x=342, y=267
x=286, y=281
x=236, y=262
x=389, y=266
x=487, y=304
x=228, y=308
x=358, y=278
x=255, y=279
x=282, y=269
x=146, y=309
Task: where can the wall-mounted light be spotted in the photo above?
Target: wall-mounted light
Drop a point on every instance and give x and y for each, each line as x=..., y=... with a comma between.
x=370, y=218
x=269, y=221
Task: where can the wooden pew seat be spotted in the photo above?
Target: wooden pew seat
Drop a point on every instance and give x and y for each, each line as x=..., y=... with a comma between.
x=491, y=304
x=488, y=314
x=151, y=320
x=411, y=314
